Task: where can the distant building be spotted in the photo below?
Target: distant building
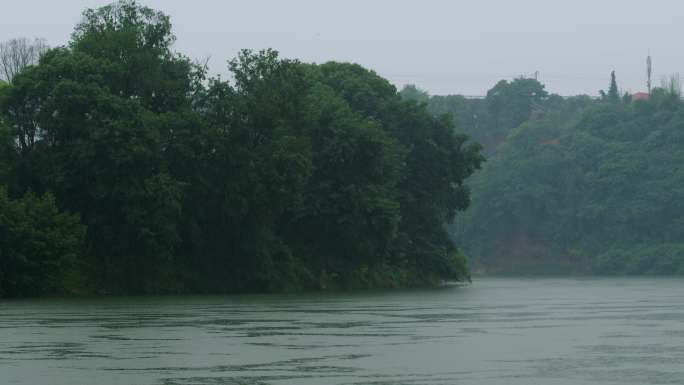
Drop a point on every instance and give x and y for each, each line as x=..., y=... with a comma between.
x=640, y=96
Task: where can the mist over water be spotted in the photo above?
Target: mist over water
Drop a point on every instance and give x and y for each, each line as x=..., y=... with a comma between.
x=496, y=331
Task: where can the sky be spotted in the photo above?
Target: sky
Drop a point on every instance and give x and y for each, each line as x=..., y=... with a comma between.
x=444, y=47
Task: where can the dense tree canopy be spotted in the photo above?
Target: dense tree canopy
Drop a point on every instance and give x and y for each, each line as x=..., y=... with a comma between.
x=488, y=120
x=39, y=246
x=151, y=177
x=597, y=190
x=572, y=184
x=125, y=168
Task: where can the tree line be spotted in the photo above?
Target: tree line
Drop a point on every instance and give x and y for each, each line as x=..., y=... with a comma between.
x=574, y=185
x=125, y=168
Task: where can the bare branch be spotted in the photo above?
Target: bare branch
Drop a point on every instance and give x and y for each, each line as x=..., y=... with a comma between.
x=672, y=85
x=17, y=54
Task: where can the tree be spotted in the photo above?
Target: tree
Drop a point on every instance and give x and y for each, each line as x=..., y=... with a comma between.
x=591, y=192
x=436, y=163
x=39, y=246
x=17, y=54
x=613, y=95
x=136, y=43
x=94, y=133
x=255, y=165
x=672, y=85
x=350, y=213
x=287, y=175
x=512, y=103
x=412, y=92
x=6, y=138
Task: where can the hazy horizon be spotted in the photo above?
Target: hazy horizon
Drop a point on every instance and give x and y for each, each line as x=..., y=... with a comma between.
x=441, y=46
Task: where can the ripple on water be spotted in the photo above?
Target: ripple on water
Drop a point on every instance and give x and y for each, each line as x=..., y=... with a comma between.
x=497, y=331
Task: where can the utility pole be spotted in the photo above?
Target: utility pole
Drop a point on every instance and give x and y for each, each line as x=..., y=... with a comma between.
x=649, y=71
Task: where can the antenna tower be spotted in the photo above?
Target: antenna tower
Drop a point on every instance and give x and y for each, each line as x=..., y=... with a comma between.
x=649, y=71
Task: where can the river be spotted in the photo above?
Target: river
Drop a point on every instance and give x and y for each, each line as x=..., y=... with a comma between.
x=495, y=331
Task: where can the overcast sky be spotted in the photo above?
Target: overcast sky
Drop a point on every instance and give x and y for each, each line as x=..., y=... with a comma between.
x=443, y=46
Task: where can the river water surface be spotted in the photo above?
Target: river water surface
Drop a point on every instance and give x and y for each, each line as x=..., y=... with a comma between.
x=495, y=331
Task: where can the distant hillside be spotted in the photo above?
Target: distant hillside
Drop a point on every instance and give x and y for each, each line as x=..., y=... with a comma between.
x=590, y=186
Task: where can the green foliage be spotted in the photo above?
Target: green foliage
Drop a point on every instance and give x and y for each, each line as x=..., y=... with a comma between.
x=512, y=103
x=287, y=176
x=6, y=153
x=100, y=152
x=487, y=121
x=572, y=185
x=594, y=193
x=412, y=92
x=350, y=203
x=39, y=246
x=436, y=163
x=657, y=258
x=613, y=95
x=135, y=42
x=470, y=116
